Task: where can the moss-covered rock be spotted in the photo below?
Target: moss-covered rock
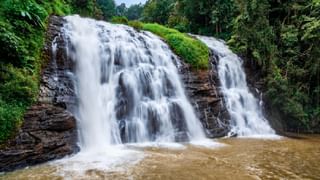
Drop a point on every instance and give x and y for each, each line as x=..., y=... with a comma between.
x=191, y=50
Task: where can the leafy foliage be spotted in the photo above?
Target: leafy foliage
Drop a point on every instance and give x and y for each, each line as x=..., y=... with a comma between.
x=121, y=10
x=85, y=7
x=136, y=25
x=157, y=11
x=108, y=8
x=134, y=12
x=10, y=118
x=208, y=17
x=119, y=20
x=282, y=39
x=28, y=11
x=22, y=30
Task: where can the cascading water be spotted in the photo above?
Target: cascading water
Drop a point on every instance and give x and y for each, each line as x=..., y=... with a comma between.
x=246, y=113
x=127, y=86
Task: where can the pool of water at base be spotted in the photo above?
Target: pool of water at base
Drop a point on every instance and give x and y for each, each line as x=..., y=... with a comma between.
x=237, y=158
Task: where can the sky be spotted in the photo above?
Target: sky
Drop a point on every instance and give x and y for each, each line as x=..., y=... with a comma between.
x=130, y=2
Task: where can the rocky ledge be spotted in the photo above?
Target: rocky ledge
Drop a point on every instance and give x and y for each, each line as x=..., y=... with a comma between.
x=48, y=133
x=202, y=89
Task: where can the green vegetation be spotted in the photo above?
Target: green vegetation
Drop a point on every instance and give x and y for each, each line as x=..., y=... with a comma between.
x=117, y=14
x=207, y=17
x=157, y=11
x=119, y=20
x=136, y=25
x=108, y=8
x=87, y=8
x=22, y=30
x=282, y=40
x=132, y=13
x=191, y=50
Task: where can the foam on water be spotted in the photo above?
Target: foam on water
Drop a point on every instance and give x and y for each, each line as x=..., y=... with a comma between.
x=115, y=158
x=207, y=143
x=168, y=145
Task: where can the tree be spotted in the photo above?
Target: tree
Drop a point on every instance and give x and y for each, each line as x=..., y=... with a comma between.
x=209, y=17
x=157, y=11
x=253, y=35
x=281, y=38
x=108, y=8
x=134, y=12
x=121, y=10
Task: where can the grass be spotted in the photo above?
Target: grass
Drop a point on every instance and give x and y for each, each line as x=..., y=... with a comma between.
x=191, y=50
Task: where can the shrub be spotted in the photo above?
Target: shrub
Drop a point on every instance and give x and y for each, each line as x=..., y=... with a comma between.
x=136, y=24
x=10, y=118
x=57, y=7
x=120, y=20
x=178, y=22
x=17, y=85
x=11, y=50
x=26, y=10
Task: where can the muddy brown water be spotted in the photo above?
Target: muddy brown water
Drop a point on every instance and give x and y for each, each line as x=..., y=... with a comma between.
x=287, y=158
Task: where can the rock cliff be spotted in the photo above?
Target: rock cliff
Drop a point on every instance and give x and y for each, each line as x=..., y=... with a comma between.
x=49, y=130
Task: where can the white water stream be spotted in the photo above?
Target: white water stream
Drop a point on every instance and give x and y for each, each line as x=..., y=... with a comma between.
x=129, y=92
x=245, y=110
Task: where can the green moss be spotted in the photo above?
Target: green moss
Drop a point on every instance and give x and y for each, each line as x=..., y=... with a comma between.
x=191, y=50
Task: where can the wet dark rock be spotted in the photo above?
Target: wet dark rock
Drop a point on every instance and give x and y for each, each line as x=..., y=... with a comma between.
x=48, y=131
x=179, y=124
x=125, y=104
x=168, y=88
x=153, y=123
x=202, y=88
x=57, y=79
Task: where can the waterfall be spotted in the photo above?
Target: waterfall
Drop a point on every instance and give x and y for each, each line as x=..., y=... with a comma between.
x=127, y=86
x=245, y=110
